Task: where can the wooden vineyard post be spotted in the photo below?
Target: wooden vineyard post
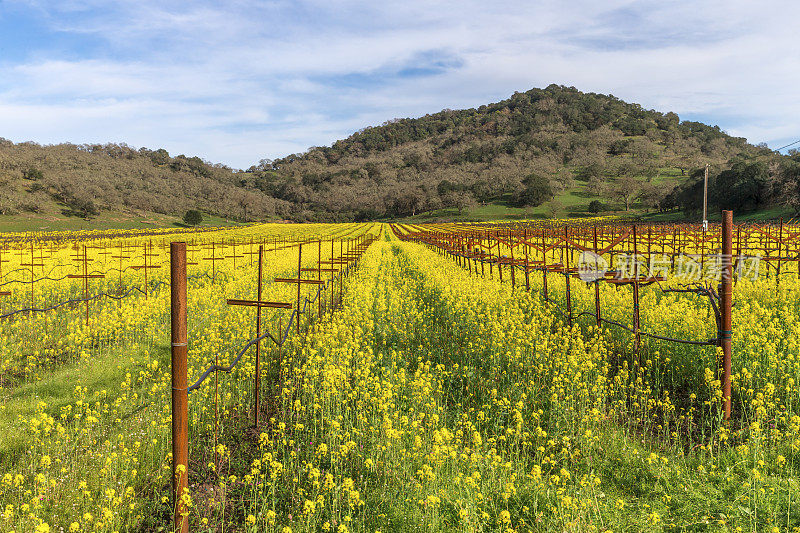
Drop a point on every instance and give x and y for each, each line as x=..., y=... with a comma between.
x=180, y=395
x=726, y=304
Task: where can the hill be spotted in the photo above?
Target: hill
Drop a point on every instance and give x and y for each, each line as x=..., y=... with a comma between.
x=545, y=152
x=56, y=183
x=514, y=156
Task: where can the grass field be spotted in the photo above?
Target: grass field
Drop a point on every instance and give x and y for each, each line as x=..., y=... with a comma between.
x=23, y=223
x=576, y=205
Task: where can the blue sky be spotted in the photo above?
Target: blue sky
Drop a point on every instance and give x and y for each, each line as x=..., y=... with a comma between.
x=237, y=81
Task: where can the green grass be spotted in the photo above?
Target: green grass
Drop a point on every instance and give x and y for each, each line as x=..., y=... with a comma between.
x=22, y=223
x=575, y=204
x=770, y=213
x=104, y=371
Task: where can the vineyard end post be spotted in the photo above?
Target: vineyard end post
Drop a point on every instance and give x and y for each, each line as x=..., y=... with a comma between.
x=180, y=397
x=726, y=304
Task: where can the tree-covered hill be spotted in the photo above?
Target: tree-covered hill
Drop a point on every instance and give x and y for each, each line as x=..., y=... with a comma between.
x=557, y=148
x=84, y=180
x=587, y=151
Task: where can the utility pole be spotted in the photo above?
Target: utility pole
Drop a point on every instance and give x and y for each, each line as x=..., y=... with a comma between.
x=705, y=199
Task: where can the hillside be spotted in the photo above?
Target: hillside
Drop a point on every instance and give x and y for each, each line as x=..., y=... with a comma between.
x=585, y=146
x=545, y=152
x=117, y=182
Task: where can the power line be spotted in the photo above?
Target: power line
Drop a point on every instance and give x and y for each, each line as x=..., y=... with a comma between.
x=787, y=146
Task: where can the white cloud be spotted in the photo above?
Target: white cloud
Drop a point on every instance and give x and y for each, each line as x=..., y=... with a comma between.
x=262, y=79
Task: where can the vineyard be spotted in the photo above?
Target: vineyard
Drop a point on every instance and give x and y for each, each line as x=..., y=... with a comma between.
x=528, y=376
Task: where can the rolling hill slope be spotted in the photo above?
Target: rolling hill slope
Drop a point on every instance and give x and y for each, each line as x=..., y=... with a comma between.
x=545, y=152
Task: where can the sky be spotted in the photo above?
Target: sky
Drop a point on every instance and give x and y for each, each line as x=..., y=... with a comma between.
x=237, y=81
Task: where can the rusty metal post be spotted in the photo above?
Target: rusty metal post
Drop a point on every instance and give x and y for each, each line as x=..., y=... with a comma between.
x=499, y=260
x=597, y=282
x=213, y=263
x=703, y=249
x=527, y=273
x=511, y=253
x=33, y=276
x=738, y=248
x=180, y=396
x=483, y=259
x=341, y=273
x=280, y=347
x=299, y=276
x=145, y=271
x=526, y=250
x=258, y=334
x=566, y=266
x=726, y=304
x=780, y=250
x=637, y=336
x=85, y=282
x=489, y=244
x=544, y=265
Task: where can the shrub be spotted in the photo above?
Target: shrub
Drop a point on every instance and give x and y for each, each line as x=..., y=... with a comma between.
x=596, y=206
x=193, y=217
